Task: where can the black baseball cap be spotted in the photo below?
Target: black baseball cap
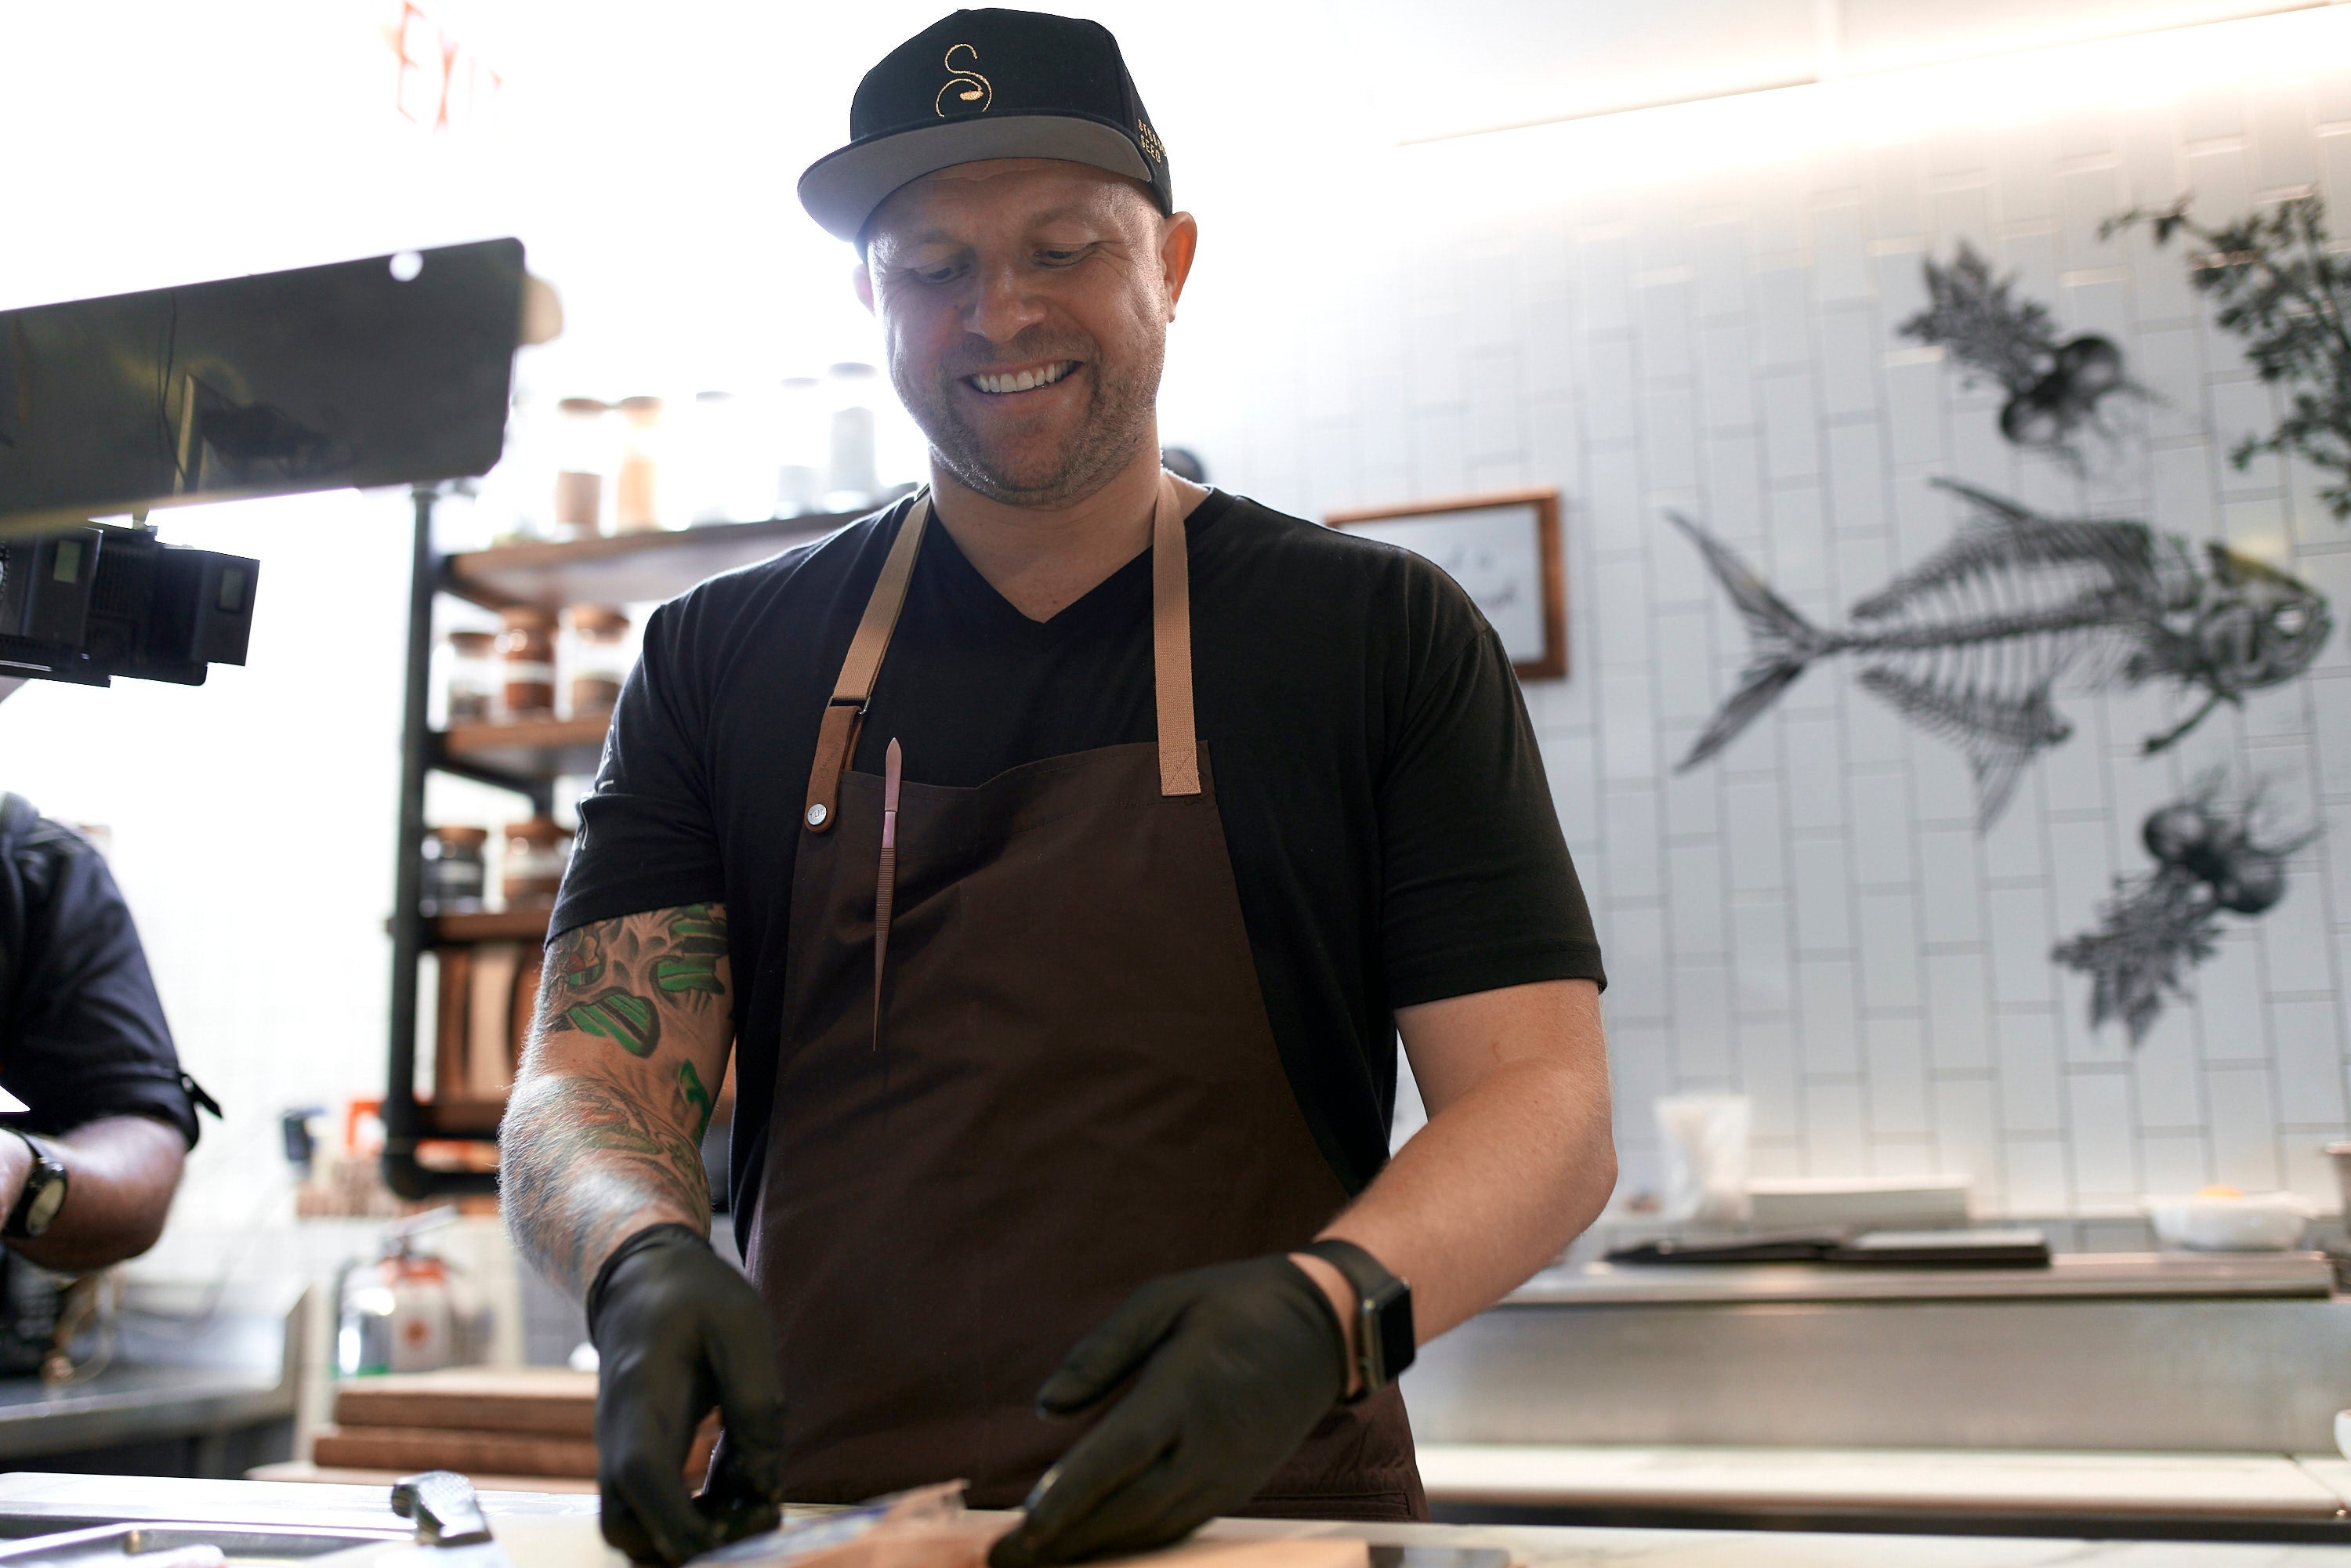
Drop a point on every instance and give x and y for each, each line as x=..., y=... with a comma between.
x=986, y=84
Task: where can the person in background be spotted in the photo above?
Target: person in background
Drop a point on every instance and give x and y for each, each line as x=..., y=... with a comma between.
x=89, y=1168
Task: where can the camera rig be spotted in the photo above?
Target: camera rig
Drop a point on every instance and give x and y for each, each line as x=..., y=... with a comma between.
x=394, y=369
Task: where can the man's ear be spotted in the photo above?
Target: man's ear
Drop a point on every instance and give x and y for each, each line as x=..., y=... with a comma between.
x=1177, y=240
x=862, y=279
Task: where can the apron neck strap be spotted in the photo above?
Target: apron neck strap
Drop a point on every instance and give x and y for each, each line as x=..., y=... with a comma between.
x=836, y=736
x=1170, y=641
x=1171, y=655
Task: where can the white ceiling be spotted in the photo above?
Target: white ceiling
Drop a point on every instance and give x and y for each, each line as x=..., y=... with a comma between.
x=647, y=153
x=1450, y=68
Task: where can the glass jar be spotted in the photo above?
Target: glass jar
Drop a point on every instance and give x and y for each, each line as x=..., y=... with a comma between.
x=600, y=657
x=699, y=470
x=531, y=870
x=527, y=661
x=799, y=446
x=637, y=485
x=452, y=870
x=738, y=483
x=583, y=453
x=851, y=478
x=471, y=677
x=514, y=503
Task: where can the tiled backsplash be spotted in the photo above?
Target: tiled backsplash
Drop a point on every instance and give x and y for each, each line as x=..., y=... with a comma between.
x=1813, y=918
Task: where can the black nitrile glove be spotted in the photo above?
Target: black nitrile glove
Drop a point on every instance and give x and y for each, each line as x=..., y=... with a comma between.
x=677, y=1332
x=1232, y=1366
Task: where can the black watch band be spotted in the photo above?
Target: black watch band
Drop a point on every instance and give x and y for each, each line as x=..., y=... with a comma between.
x=1385, y=1342
x=45, y=1193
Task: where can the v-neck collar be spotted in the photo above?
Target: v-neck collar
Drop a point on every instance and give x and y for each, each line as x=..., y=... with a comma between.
x=967, y=589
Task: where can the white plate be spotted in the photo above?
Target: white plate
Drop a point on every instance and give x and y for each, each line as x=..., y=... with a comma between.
x=1885, y=1203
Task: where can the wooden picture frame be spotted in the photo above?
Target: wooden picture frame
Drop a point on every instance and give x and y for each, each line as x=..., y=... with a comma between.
x=1507, y=536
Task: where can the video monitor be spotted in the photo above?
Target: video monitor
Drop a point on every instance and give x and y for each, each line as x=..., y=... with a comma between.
x=390, y=371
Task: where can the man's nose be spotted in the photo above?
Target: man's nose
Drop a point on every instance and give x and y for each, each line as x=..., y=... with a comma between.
x=1003, y=306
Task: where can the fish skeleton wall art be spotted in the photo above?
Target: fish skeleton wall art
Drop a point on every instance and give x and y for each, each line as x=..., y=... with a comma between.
x=2159, y=924
x=1968, y=644
x=2053, y=388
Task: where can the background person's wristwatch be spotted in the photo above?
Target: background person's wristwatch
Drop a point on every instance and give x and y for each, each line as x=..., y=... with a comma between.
x=45, y=1193
x=1385, y=1342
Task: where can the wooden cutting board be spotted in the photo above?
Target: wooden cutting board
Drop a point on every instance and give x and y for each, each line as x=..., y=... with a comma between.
x=408, y=1450
x=542, y=1402
x=411, y=1448
x=525, y=1421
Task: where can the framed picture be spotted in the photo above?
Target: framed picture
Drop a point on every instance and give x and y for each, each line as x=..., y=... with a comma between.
x=1503, y=550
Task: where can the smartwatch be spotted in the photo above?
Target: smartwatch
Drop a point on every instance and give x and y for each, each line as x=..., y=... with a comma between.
x=44, y=1195
x=1384, y=1343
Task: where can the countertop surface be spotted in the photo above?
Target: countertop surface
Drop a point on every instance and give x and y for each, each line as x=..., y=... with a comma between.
x=92, y=1497
x=231, y=1364
x=1945, y=1482
x=1543, y=1546
x=2132, y=1275
x=158, y=1395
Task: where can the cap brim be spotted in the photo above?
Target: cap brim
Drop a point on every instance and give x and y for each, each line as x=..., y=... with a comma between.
x=841, y=189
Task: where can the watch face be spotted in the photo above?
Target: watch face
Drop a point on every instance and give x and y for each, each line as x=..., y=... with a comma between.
x=43, y=1207
x=1388, y=1338
x=1397, y=1340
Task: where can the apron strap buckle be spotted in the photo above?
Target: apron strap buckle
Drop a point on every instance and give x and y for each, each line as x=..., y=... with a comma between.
x=836, y=737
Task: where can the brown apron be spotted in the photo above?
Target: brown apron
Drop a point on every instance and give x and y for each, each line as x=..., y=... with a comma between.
x=1069, y=1088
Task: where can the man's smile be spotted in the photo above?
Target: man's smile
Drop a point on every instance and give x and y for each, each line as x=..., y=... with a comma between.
x=1012, y=382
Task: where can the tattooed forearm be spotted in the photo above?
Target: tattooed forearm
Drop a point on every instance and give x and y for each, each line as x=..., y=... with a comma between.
x=582, y=1168
x=598, y=1144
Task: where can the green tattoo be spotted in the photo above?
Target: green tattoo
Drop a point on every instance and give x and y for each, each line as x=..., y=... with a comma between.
x=628, y=1021
x=579, y=959
x=698, y=941
x=595, y=1143
x=696, y=1098
x=629, y=969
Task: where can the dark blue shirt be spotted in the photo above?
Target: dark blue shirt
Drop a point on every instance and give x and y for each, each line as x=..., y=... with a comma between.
x=82, y=1034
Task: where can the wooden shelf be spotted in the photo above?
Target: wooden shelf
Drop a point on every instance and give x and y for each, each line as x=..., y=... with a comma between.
x=458, y=1118
x=624, y=569
x=534, y=748
x=527, y=925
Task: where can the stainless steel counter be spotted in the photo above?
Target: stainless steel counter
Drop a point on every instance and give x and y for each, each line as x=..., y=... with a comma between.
x=2224, y=1497
x=183, y=1365
x=2073, y=1276
x=1537, y=1546
x=2101, y=1351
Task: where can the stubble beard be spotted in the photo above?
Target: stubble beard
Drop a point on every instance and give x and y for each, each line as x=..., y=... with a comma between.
x=1117, y=421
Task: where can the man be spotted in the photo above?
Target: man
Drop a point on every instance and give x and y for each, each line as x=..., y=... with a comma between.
x=1064, y=847
x=86, y=1172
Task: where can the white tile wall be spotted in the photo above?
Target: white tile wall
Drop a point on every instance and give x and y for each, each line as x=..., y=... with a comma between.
x=1812, y=916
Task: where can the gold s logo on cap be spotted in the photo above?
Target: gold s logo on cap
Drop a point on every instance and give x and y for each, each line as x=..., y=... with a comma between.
x=968, y=85
x=1151, y=143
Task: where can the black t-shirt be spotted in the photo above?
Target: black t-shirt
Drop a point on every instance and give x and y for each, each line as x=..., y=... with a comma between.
x=1392, y=835
x=82, y=1031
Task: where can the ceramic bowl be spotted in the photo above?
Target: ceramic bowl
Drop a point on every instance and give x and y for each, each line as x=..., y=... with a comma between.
x=2258, y=1222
